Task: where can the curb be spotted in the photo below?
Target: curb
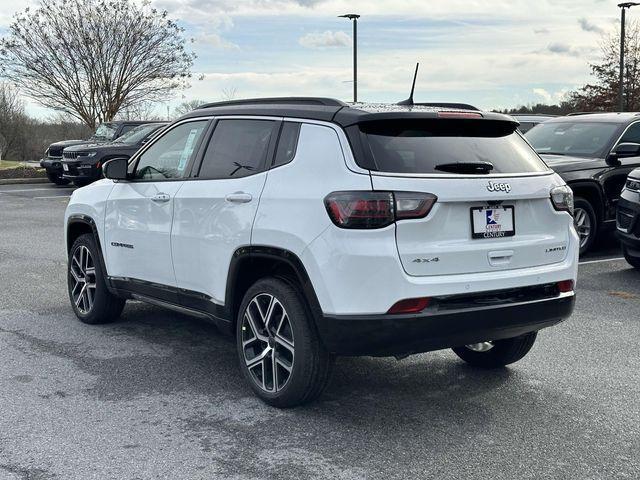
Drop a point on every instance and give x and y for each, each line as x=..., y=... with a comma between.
x=17, y=181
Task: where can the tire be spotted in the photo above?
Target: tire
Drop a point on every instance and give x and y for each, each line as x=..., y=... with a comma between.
x=586, y=223
x=503, y=352
x=631, y=260
x=91, y=305
x=57, y=179
x=302, y=365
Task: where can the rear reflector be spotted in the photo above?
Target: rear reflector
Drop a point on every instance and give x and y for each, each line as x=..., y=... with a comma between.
x=459, y=115
x=565, y=286
x=410, y=305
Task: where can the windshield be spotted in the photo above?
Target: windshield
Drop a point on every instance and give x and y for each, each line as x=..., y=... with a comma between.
x=579, y=139
x=137, y=134
x=105, y=131
x=440, y=146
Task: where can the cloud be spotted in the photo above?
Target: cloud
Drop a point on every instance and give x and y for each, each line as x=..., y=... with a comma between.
x=325, y=39
x=550, y=98
x=587, y=26
x=216, y=41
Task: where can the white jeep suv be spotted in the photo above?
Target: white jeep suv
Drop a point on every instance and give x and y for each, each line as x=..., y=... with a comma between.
x=310, y=228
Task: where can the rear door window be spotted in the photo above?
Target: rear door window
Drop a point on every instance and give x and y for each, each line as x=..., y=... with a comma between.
x=238, y=148
x=421, y=146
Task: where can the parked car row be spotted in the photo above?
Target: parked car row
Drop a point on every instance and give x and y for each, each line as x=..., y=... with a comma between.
x=80, y=161
x=593, y=153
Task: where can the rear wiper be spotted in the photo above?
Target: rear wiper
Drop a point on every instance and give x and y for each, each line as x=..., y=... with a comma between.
x=466, y=167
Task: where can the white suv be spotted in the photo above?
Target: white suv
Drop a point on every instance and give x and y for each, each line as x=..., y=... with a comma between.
x=310, y=228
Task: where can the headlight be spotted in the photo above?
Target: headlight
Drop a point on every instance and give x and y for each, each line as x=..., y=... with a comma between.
x=89, y=154
x=562, y=199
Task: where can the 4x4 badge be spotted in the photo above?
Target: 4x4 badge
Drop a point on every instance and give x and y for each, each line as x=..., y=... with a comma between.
x=499, y=187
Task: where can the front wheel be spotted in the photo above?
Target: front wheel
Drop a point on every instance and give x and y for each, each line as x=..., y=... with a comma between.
x=57, y=179
x=631, y=260
x=494, y=354
x=90, y=299
x=279, y=350
x=586, y=223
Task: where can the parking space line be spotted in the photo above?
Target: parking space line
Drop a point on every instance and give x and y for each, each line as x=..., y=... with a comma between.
x=602, y=260
x=54, y=196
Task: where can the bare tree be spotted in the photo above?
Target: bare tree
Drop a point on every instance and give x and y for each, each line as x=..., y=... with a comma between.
x=229, y=93
x=603, y=93
x=91, y=58
x=186, y=107
x=12, y=119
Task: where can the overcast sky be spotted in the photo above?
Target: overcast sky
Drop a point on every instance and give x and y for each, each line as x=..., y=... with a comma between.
x=491, y=53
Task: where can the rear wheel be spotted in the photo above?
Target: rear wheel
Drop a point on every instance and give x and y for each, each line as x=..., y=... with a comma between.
x=586, y=223
x=279, y=350
x=631, y=259
x=90, y=299
x=57, y=179
x=494, y=354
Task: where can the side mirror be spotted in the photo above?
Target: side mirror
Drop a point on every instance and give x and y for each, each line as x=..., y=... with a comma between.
x=623, y=150
x=116, y=168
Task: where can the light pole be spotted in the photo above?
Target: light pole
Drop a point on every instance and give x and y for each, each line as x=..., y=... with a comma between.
x=623, y=7
x=354, y=17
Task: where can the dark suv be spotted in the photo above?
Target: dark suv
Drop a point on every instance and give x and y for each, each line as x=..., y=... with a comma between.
x=593, y=153
x=628, y=220
x=82, y=164
x=106, y=132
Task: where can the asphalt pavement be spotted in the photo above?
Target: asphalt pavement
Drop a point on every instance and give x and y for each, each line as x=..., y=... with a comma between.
x=160, y=395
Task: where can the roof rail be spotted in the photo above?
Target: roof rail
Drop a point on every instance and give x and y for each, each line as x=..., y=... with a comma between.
x=575, y=114
x=461, y=106
x=319, y=101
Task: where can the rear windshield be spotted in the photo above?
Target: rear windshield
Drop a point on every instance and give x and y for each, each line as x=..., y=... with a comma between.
x=422, y=146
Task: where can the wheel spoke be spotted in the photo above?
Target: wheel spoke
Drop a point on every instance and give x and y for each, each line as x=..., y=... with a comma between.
x=268, y=356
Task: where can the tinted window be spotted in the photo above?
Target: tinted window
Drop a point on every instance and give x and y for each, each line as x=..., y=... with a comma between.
x=170, y=155
x=287, y=143
x=632, y=135
x=526, y=126
x=238, y=148
x=421, y=146
x=580, y=139
x=106, y=131
x=127, y=128
x=137, y=134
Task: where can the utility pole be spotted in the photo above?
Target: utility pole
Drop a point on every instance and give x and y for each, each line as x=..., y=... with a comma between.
x=354, y=17
x=623, y=6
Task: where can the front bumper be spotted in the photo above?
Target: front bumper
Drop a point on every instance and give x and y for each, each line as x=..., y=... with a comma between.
x=387, y=335
x=81, y=171
x=628, y=220
x=52, y=165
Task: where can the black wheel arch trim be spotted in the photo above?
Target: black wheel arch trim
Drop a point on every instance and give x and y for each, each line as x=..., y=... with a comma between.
x=87, y=220
x=249, y=253
x=596, y=188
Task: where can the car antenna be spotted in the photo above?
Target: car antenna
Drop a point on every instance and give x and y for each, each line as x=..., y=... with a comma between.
x=409, y=101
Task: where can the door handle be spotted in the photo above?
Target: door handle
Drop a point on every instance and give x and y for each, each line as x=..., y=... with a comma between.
x=160, y=198
x=239, y=197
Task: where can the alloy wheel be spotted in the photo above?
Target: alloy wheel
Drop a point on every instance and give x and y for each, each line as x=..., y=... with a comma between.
x=480, y=347
x=83, y=276
x=267, y=343
x=582, y=222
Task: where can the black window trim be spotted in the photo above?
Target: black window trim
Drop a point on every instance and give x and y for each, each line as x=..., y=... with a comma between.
x=189, y=169
x=624, y=132
x=272, y=164
x=271, y=149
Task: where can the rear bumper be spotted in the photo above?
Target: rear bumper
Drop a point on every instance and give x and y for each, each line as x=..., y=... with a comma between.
x=387, y=335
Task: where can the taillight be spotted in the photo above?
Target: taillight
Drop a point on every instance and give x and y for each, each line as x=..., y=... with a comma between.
x=410, y=305
x=367, y=209
x=565, y=286
x=562, y=199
